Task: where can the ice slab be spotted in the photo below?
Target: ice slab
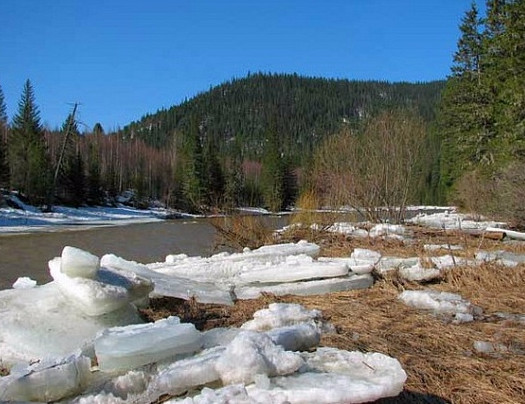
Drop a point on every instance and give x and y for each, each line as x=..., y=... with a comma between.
x=329, y=376
x=252, y=353
x=366, y=254
x=435, y=247
x=24, y=283
x=452, y=220
x=357, y=266
x=187, y=373
x=47, y=380
x=335, y=376
x=281, y=315
x=418, y=273
x=79, y=263
x=224, y=267
x=316, y=287
x=109, y=291
x=219, y=336
x=441, y=303
x=387, y=264
x=294, y=268
x=299, y=337
x=450, y=261
x=387, y=230
x=505, y=258
x=129, y=347
x=40, y=322
x=174, y=286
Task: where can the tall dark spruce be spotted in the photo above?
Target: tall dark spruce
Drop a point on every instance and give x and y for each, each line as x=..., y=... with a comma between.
x=30, y=168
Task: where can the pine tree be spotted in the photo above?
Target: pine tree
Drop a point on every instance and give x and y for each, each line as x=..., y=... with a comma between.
x=30, y=168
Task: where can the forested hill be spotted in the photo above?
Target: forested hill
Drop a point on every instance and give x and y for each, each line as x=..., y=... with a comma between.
x=301, y=110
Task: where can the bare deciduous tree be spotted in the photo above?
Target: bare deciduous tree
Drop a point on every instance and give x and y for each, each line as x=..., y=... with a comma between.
x=377, y=171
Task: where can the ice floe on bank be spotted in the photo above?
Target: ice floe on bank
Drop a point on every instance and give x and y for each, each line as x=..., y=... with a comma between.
x=442, y=303
x=264, y=360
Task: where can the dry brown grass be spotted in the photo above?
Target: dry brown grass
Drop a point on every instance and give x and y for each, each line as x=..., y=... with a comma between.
x=438, y=356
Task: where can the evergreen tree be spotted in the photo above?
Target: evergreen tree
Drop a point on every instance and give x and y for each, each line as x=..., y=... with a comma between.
x=272, y=175
x=4, y=167
x=506, y=72
x=467, y=59
x=71, y=179
x=464, y=117
x=29, y=164
x=98, y=130
x=192, y=181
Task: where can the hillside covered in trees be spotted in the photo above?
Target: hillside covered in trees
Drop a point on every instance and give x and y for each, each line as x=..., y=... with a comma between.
x=244, y=142
x=301, y=110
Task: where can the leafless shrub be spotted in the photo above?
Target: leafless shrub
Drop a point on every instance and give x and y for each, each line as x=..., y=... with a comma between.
x=377, y=171
x=237, y=232
x=499, y=195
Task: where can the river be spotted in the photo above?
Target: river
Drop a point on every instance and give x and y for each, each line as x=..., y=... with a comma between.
x=28, y=254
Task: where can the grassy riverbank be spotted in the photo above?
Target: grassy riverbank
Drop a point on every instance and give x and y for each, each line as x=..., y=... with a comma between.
x=438, y=355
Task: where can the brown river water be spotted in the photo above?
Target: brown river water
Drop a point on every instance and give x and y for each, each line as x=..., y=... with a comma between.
x=28, y=254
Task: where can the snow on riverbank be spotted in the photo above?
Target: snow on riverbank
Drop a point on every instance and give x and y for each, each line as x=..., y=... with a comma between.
x=62, y=218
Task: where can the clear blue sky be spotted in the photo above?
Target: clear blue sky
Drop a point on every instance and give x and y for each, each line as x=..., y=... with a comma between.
x=122, y=59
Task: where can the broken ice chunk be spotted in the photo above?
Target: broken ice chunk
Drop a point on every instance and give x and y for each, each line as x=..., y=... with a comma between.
x=419, y=273
x=441, y=303
x=111, y=290
x=391, y=263
x=187, y=373
x=280, y=315
x=170, y=285
x=79, y=263
x=300, y=337
x=135, y=345
x=316, y=287
x=24, y=283
x=219, y=336
x=295, y=268
x=46, y=381
x=252, y=353
x=40, y=322
x=335, y=376
x=389, y=230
